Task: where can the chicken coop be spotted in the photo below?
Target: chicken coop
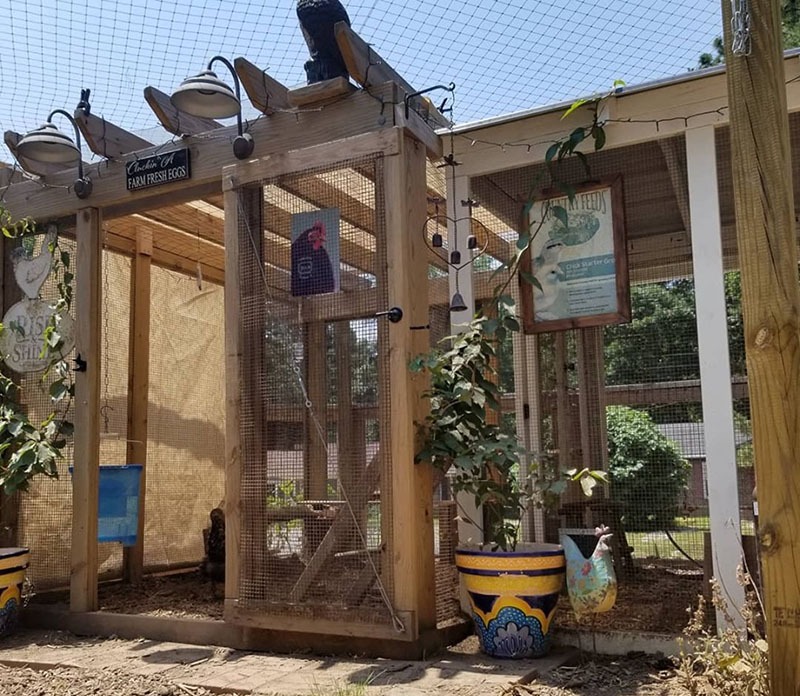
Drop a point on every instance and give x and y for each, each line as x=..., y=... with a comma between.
x=243, y=328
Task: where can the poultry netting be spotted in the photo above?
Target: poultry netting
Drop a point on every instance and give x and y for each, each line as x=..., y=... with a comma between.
x=626, y=397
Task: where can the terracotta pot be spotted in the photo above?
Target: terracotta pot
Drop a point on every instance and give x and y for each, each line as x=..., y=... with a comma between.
x=13, y=564
x=513, y=596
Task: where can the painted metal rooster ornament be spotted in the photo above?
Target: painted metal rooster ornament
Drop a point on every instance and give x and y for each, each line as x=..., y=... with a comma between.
x=591, y=582
x=317, y=19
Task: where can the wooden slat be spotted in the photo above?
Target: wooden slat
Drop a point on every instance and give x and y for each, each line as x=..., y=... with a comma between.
x=86, y=476
x=358, y=501
x=12, y=139
x=105, y=138
x=138, y=390
x=266, y=93
x=320, y=93
x=368, y=69
x=233, y=402
x=315, y=454
x=174, y=121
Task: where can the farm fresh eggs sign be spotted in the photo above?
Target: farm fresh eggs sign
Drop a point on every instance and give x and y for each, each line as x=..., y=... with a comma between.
x=155, y=170
x=577, y=258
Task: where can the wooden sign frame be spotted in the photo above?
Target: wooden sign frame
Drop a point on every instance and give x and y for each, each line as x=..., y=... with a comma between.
x=590, y=203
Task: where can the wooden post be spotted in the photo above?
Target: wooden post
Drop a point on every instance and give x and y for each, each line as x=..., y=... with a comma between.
x=592, y=398
x=138, y=389
x=715, y=370
x=765, y=227
x=245, y=456
x=411, y=548
x=86, y=475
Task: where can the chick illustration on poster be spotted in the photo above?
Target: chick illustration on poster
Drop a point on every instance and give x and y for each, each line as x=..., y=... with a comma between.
x=577, y=258
x=315, y=252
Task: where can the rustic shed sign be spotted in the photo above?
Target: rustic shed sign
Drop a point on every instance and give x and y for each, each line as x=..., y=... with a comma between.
x=158, y=169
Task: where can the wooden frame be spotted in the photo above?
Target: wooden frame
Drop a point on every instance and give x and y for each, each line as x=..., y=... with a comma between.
x=585, y=195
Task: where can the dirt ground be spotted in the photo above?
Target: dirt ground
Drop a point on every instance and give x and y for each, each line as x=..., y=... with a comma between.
x=654, y=600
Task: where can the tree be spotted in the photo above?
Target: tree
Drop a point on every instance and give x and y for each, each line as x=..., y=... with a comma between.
x=790, y=28
x=648, y=473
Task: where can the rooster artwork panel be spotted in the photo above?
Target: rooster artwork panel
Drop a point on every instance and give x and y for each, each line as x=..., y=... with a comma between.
x=315, y=252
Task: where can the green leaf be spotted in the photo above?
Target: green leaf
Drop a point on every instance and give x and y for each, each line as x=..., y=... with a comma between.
x=560, y=213
x=552, y=151
x=574, y=107
x=588, y=484
x=599, y=135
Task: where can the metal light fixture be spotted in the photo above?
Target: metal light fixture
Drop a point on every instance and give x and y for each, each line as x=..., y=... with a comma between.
x=48, y=144
x=206, y=96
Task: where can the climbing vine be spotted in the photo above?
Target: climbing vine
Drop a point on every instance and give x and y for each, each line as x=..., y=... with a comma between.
x=29, y=447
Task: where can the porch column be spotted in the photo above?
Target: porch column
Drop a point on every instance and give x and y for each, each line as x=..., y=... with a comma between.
x=715, y=370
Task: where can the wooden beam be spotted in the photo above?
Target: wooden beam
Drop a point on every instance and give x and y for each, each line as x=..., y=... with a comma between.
x=675, y=156
x=591, y=398
x=138, y=390
x=765, y=225
x=105, y=138
x=12, y=139
x=266, y=93
x=86, y=474
x=368, y=69
x=234, y=386
x=175, y=121
x=320, y=93
x=410, y=545
x=277, y=134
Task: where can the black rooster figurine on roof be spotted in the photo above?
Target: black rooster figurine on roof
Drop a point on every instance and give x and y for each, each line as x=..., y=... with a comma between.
x=317, y=18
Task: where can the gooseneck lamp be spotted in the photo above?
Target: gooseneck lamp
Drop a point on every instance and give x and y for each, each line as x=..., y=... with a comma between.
x=206, y=96
x=48, y=144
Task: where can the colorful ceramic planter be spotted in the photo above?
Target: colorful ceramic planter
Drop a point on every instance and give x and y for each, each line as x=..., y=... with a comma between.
x=13, y=564
x=513, y=596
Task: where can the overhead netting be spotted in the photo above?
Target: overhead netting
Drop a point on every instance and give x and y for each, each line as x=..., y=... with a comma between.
x=504, y=56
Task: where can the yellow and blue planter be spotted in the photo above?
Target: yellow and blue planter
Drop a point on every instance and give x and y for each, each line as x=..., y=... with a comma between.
x=513, y=596
x=13, y=564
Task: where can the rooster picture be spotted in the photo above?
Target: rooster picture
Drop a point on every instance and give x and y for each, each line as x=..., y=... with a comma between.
x=591, y=582
x=312, y=270
x=317, y=19
x=30, y=272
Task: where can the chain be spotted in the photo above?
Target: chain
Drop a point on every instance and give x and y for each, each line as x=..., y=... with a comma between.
x=741, y=45
x=397, y=622
x=105, y=408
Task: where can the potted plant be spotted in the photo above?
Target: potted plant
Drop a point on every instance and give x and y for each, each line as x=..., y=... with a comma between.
x=30, y=448
x=513, y=587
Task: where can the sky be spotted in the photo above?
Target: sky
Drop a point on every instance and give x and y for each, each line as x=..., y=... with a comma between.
x=503, y=55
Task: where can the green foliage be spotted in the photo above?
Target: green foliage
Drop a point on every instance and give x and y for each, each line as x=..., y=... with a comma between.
x=790, y=30
x=648, y=474
x=30, y=448
x=464, y=433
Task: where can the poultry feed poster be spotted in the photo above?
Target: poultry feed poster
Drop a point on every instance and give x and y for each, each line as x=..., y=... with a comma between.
x=315, y=252
x=577, y=256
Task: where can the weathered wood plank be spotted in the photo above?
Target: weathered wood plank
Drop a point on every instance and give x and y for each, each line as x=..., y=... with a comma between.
x=320, y=93
x=266, y=93
x=105, y=138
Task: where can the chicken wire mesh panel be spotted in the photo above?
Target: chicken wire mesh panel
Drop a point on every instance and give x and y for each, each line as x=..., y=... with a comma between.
x=315, y=403
x=627, y=396
x=186, y=417
x=44, y=514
